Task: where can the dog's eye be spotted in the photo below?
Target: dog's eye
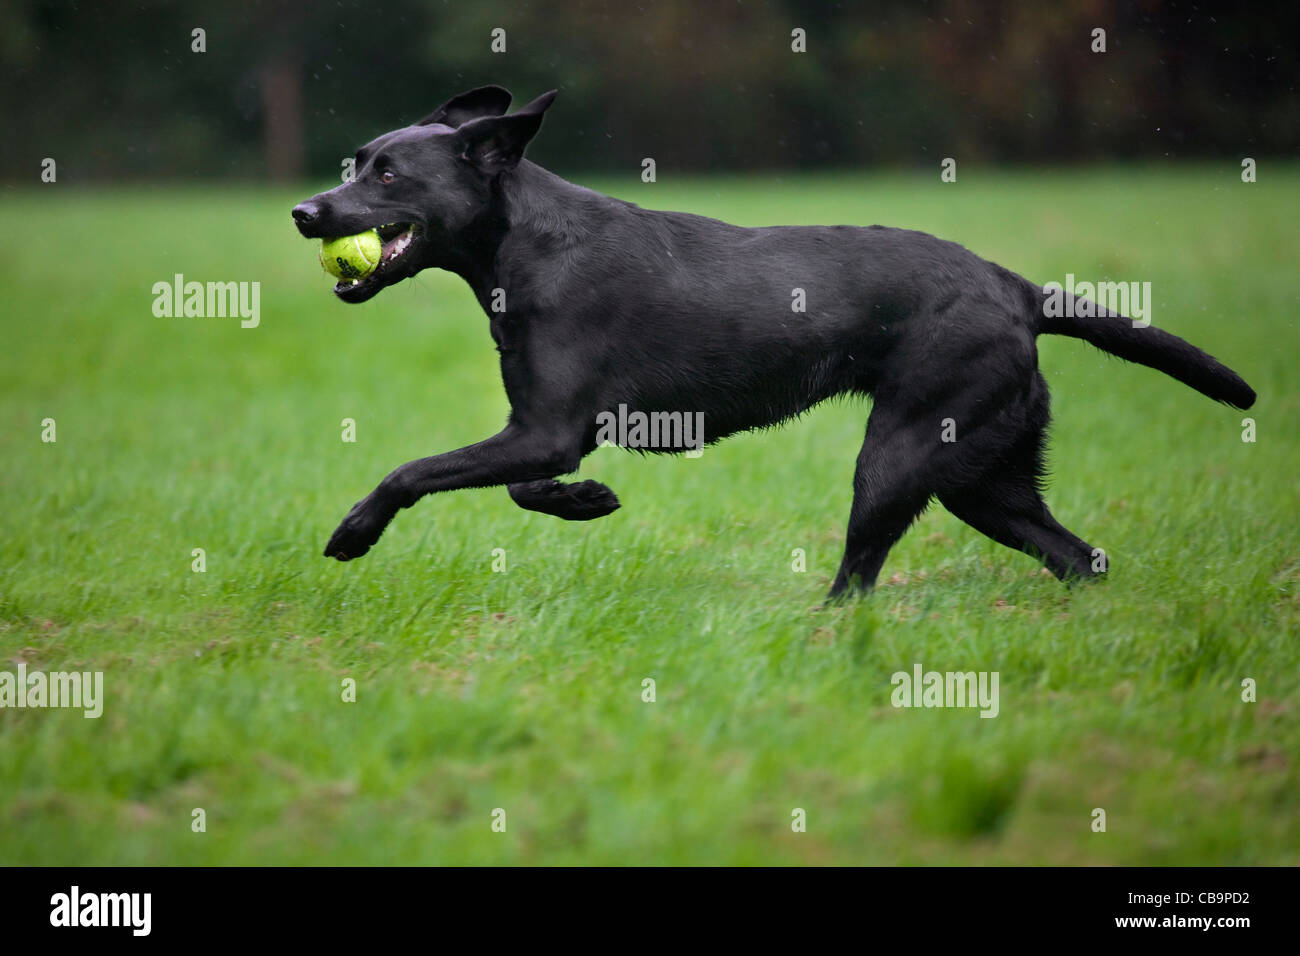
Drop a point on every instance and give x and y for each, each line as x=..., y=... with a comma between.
x=387, y=176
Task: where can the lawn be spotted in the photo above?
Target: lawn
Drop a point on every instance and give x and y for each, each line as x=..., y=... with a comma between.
x=478, y=689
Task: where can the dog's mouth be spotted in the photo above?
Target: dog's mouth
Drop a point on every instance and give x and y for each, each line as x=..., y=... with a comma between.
x=399, y=240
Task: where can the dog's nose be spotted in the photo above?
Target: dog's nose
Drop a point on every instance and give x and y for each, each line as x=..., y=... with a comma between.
x=305, y=212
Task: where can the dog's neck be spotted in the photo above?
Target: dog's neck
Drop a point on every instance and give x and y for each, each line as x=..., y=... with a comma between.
x=530, y=206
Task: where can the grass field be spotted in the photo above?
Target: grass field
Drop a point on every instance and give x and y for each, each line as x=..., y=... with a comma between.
x=522, y=690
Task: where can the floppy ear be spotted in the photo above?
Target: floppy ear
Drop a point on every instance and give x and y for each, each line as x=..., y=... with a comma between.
x=484, y=101
x=497, y=143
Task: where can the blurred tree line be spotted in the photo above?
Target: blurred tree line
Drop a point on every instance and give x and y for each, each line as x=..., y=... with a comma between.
x=286, y=88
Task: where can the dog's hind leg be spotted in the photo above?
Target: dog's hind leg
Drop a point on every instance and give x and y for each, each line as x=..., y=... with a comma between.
x=891, y=487
x=572, y=501
x=1009, y=508
x=1007, y=505
x=938, y=430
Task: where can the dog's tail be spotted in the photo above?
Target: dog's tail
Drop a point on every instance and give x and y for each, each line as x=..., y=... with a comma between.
x=1058, y=313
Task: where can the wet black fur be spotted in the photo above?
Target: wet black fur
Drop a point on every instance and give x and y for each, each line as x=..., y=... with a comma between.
x=607, y=303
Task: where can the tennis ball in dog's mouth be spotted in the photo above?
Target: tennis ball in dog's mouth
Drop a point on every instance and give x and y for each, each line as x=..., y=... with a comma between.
x=351, y=257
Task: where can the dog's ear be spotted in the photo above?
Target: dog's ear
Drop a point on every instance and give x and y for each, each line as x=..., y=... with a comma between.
x=497, y=143
x=484, y=101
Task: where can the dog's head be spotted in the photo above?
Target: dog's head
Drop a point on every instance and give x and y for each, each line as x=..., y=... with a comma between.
x=423, y=186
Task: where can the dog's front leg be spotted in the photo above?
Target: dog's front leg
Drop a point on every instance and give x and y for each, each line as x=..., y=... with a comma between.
x=516, y=454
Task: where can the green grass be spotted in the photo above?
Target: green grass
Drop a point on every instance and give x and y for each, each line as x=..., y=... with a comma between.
x=522, y=690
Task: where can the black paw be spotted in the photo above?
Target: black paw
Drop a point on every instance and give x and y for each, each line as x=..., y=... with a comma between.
x=590, y=499
x=358, y=532
x=580, y=501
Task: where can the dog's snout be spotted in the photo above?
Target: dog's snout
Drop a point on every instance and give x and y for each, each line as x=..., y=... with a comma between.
x=305, y=212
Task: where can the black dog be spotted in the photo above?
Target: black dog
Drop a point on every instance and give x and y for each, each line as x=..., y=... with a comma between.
x=596, y=304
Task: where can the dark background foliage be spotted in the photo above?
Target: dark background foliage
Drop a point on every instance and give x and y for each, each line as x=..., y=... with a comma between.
x=287, y=87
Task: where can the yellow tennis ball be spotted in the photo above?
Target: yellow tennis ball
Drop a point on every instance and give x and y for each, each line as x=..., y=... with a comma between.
x=351, y=257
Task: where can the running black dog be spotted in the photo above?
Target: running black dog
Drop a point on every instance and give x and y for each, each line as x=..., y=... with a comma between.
x=596, y=303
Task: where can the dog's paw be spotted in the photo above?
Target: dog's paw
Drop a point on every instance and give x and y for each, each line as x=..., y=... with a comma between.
x=358, y=532
x=591, y=499
x=580, y=501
